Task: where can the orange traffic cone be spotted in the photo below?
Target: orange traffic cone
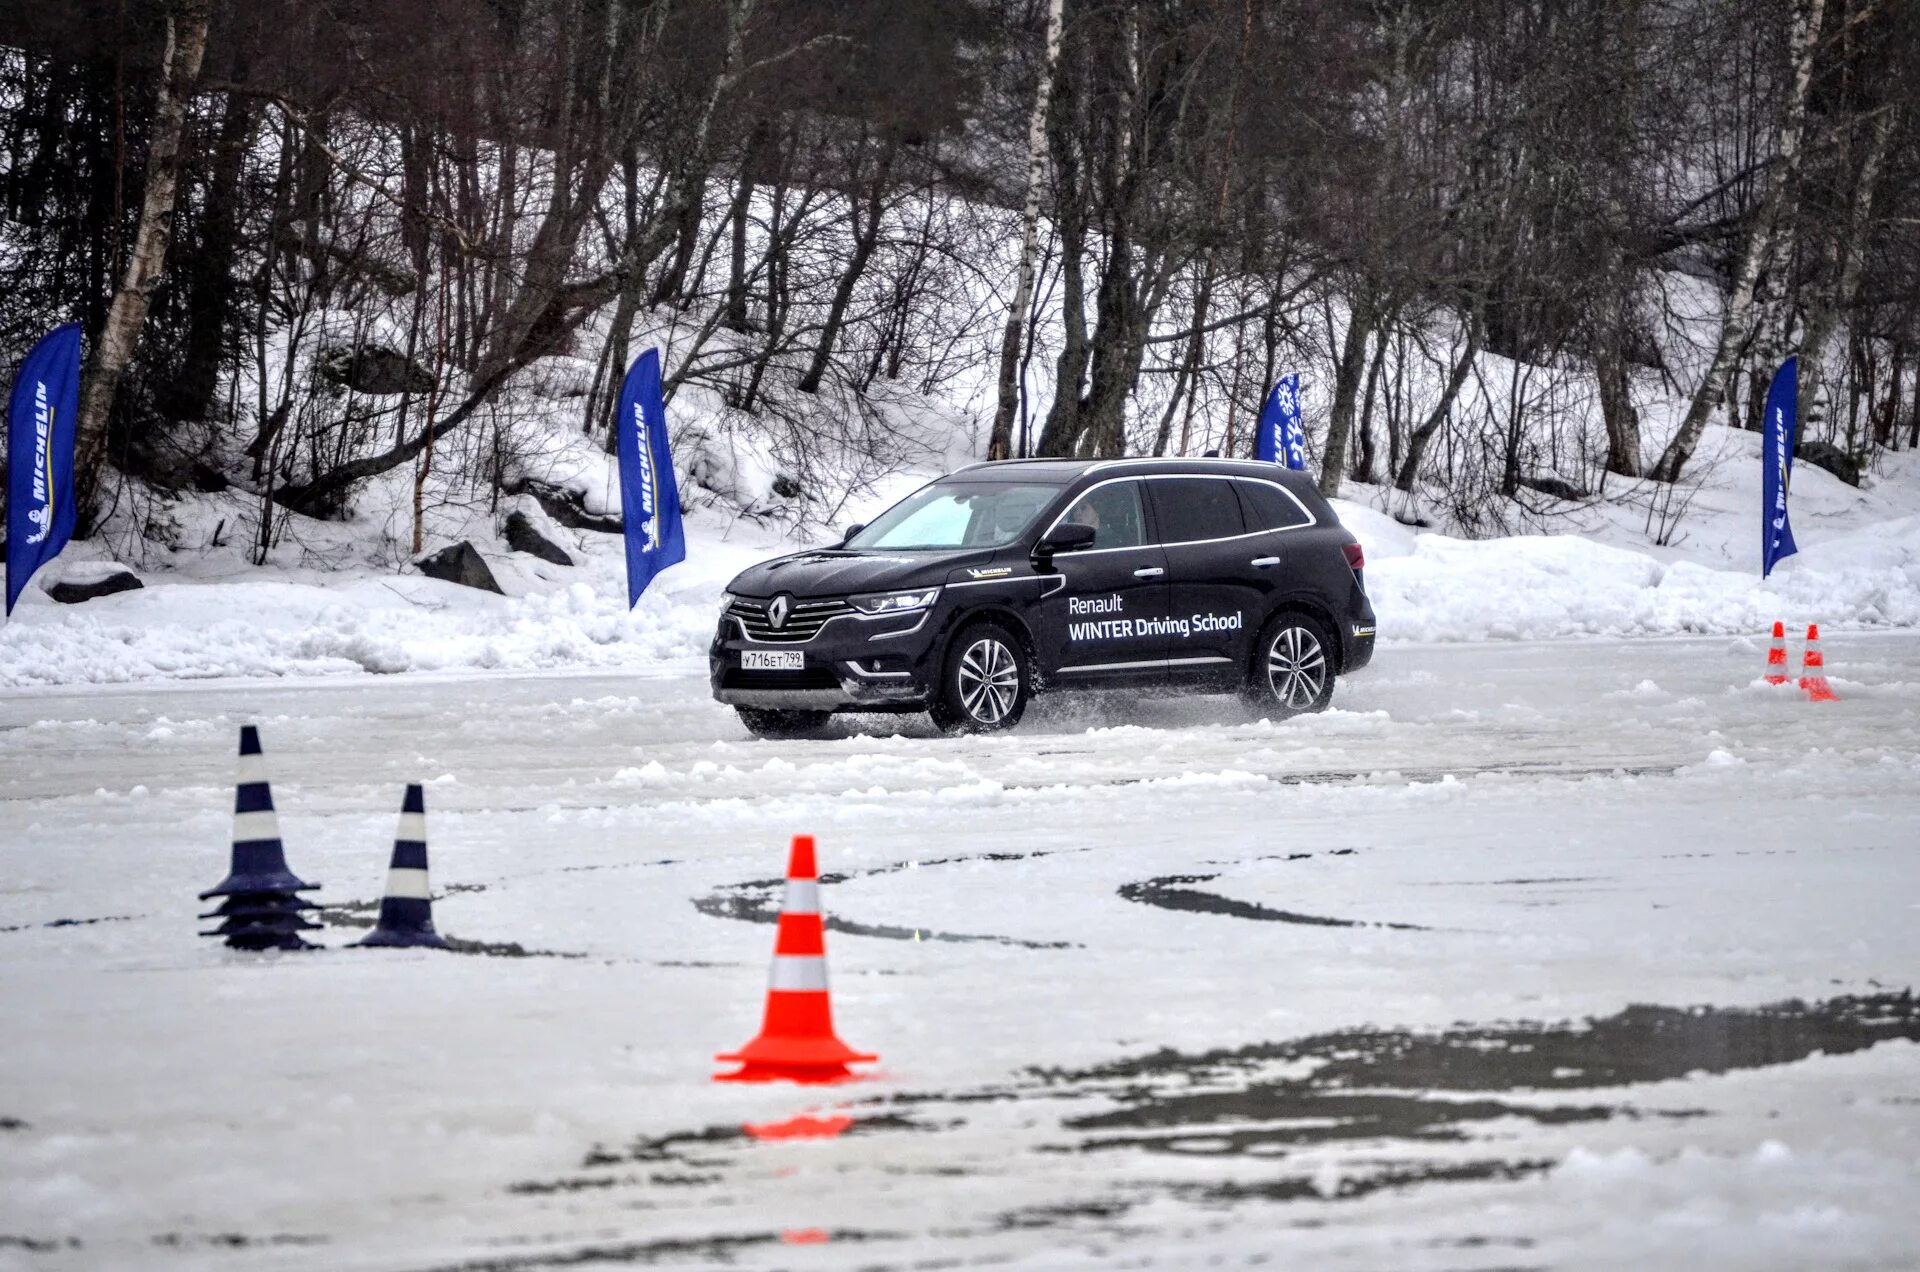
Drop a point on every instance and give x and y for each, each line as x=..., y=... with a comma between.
x=1777, y=656
x=1813, y=667
x=796, y=1041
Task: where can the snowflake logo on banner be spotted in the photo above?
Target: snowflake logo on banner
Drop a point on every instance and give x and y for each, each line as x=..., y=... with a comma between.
x=1292, y=436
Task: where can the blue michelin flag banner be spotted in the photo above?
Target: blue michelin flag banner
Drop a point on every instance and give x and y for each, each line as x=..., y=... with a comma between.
x=1281, y=439
x=1776, y=473
x=649, y=495
x=40, y=415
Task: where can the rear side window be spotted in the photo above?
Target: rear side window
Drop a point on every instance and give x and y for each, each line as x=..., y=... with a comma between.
x=1190, y=508
x=1269, y=508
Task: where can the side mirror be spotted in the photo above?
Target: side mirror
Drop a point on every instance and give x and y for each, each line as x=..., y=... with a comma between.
x=852, y=530
x=1068, y=536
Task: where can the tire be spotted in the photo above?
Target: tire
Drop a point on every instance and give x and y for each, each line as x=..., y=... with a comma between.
x=771, y=722
x=1292, y=669
x=985, y=683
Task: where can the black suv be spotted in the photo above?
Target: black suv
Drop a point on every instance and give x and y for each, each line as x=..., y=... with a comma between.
x=998, y=581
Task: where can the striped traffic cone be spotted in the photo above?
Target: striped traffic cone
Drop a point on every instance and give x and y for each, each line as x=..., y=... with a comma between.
x=797, y=1041
x=1813, y=669
x=261, y=909
x=406, y=912
x=1777, y=656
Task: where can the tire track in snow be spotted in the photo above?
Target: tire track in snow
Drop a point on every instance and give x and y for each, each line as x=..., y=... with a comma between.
x=1174, y=892
x=755, y=901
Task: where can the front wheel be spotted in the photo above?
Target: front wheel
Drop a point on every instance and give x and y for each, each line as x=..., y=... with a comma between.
x=986, y=682
x=768, y=722
x=1292, y=671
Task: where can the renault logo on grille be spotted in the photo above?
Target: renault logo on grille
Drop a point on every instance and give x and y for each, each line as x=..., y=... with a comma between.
x=777, y=612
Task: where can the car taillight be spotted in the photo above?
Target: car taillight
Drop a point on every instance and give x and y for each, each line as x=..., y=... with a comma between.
x=1355, y=557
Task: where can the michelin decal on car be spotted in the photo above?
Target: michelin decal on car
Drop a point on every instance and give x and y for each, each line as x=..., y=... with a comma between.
x=1128, y=628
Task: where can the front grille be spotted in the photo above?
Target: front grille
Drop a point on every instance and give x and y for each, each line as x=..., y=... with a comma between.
x=818, y=677
x=804, y=619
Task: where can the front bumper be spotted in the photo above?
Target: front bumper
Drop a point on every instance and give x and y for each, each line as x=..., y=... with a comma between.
x=854, y=663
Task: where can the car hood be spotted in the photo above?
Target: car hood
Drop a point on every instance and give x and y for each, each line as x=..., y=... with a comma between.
x=840, y=572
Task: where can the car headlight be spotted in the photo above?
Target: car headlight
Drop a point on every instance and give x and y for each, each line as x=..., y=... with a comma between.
x=896, y=602
x=726, y=603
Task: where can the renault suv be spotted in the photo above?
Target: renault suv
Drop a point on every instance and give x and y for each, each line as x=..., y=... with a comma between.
x=1008, y=579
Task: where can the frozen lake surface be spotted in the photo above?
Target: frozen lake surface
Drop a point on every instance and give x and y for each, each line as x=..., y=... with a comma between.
x=1590, y=954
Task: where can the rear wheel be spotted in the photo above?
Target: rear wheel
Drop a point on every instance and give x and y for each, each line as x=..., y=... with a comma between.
x=1292, y=671
x=986, y=682
x=770, y=722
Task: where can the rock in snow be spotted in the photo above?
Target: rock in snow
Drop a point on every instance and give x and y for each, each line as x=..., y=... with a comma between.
x=72, y=591
x=568, y=507
x=462, y=564
x=524, y=536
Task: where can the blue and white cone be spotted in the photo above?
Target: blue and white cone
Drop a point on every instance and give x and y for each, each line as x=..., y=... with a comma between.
x=406, y=912
x=259, y=858
x=261, y=910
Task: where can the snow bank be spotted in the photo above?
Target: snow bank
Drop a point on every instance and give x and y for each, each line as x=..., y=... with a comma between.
x=206, y=612
x=1561, y=585
x=1425, y=587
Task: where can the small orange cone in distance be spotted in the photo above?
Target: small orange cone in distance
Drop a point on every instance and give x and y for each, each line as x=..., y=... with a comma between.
x=1813, y=669
x=1777, y=656
x=796, y=1042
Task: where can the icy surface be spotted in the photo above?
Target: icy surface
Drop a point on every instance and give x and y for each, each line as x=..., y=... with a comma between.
x=1108, y=961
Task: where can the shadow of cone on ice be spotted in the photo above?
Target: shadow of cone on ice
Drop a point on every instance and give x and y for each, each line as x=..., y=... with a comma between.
x=796, y=1041
x=805, y=1126
x=262, y=909
x=406, y=911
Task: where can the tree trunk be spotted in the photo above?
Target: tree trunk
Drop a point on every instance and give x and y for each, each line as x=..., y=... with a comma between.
x=1346, y=392
x=1883, y=429
x=185, y=41
x=740, y=216
x=1738, y=317
x=1000, y=443
x=1848, y=247
x=1119, y=342
x=865, y=237
x=1617, y=411
x=1418, y=439
x=210, y=278
x=1060, y=432
x=1363, y=435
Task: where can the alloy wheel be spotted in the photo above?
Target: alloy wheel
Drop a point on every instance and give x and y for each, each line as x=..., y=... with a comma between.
x=1296, y=667
x=989, y=681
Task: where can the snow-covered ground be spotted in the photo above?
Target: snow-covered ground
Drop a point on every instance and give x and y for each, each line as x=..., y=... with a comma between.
x=330, y=605
x=1150, y=988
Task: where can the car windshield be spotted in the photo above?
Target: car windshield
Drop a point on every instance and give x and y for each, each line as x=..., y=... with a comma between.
x=957, y=514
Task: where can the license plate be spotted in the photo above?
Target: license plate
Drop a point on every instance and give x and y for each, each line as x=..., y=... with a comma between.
x=769, y=660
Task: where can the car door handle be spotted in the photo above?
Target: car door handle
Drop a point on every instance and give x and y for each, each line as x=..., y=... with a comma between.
x=1262, y=563
x=1149, y=572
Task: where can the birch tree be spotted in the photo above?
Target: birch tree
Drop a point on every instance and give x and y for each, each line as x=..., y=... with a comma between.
x=1001, y=443
x=1737, y=320
x=184, y=43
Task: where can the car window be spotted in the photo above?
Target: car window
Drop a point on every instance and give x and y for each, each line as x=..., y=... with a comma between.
x=1269, y=508
x=1115, y=513
x=1192, y=508
x=952, y=514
